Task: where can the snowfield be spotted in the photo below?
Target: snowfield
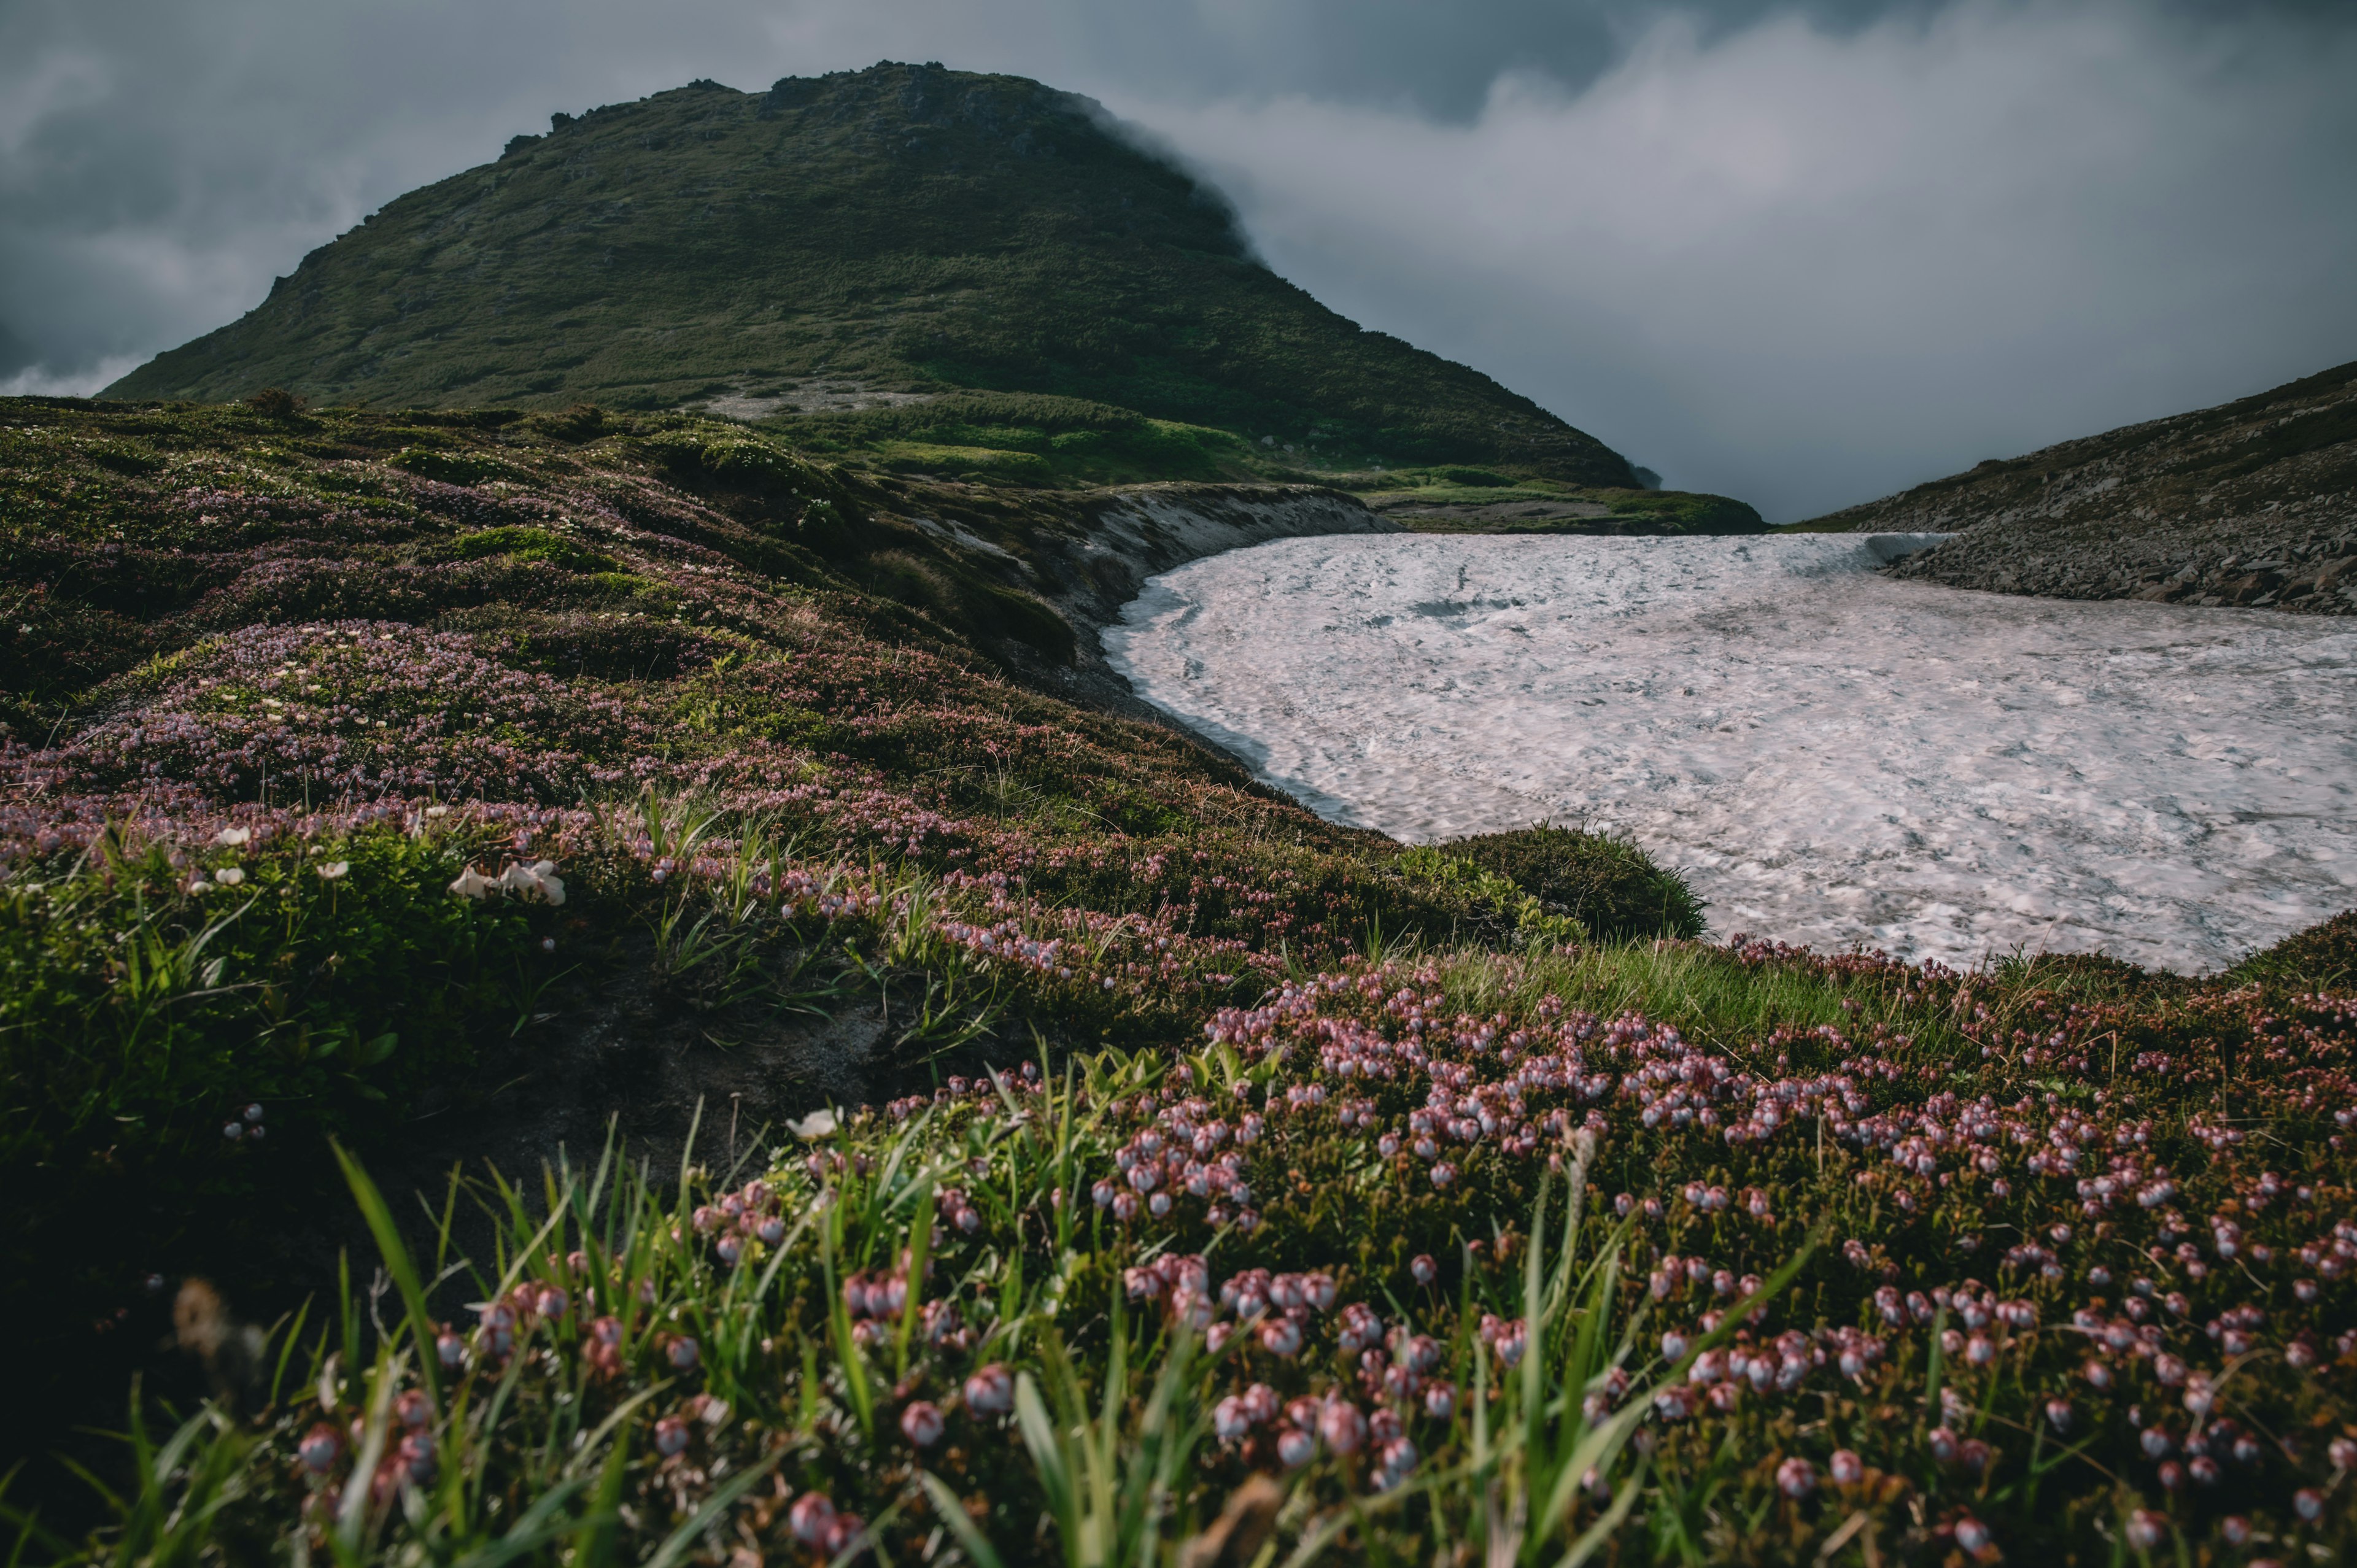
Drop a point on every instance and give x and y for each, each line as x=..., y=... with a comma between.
x=1833, y=758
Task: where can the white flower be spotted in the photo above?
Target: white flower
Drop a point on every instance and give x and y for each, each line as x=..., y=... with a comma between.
x=472, y=884
x=535, y=881
x=334, y=870
x=817, y=1124
x=229, y=876
x=229, y=838
x=436, y=811
x=198, y=885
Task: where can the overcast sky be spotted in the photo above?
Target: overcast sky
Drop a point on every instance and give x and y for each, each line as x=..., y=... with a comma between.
x=1804, y=254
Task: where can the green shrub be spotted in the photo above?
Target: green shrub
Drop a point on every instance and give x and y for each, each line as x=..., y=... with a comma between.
x=2321, y=958
x=533, y=544
x=450, y=468
x=1608, y=884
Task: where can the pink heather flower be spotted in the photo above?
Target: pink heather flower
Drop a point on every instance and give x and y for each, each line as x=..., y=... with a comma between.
x=319, y=1448
x=1972, y=1535
x=1230, y=1420
x=991, y=1391
x=1294, y=1448
x=1425, y=1270
x=1796, y=1477
x=1443, y=1174
x=812, y=1519
x=682, y=1352
x=1342, y=1426
x=2147, y=1529
x=920, y=1423
x=1847, y=1468
x=2057, y=1413
x=2309, y=1503
x=1281, y=1337
x=413, y=1409
x=671, y=1436
x=1398, y=1461
x=1439, y=1400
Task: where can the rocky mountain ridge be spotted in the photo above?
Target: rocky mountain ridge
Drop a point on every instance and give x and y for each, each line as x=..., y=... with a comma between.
x=2250, y=503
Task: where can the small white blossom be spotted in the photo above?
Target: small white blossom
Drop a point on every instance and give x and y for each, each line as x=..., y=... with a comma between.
x=817, y=1124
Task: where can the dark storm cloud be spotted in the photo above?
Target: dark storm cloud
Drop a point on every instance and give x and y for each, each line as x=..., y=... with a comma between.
x=1802, y=253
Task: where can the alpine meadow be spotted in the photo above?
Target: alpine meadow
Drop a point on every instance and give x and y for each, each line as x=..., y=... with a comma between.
x=595, y=967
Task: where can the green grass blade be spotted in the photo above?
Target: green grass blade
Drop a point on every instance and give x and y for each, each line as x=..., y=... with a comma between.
x=953, y=1513
x=677, y=1544
x=397, y=1262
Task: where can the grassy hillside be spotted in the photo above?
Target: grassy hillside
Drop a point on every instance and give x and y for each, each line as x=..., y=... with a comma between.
x=1204, y=1184
x=1458, y=499
x=2253, y=503
x=853, y=242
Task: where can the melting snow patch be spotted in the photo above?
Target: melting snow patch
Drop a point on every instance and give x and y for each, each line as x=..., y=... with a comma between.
x=1833, y=757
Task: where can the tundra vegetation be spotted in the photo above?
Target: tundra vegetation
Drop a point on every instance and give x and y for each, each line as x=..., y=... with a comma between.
x=1220, y=1187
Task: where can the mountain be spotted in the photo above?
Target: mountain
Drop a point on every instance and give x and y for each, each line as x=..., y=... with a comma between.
x=2253, y=503
x=863, y=242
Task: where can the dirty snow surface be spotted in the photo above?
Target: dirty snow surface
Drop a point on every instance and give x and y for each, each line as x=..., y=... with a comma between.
x=1832, y=756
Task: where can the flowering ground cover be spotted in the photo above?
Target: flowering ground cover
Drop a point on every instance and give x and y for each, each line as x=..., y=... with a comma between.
x=1231, y=1187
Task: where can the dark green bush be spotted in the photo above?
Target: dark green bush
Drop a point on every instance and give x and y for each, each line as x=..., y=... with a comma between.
x=2321, y=958
x=1610, y=884
x=533, y=544
x=450, y=468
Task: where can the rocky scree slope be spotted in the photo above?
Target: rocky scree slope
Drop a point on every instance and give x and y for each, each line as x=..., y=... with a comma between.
x=857, y=241
x=2252, y=503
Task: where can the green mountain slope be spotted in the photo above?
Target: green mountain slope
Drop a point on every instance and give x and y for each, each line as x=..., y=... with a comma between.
x=2252, y=502
x=848, y=243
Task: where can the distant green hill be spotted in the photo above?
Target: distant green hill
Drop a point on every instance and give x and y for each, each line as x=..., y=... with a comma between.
x=852, y=244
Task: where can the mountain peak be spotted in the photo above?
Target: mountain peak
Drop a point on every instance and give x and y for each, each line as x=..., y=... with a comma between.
x=847, y=241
